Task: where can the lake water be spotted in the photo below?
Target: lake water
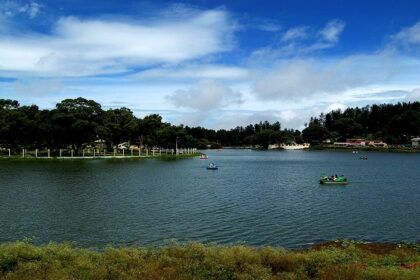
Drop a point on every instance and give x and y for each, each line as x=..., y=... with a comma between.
x=256, y=198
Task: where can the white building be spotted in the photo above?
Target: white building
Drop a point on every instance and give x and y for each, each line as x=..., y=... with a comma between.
x=415, y=142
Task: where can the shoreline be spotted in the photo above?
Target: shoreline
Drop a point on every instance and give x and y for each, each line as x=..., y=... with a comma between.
x=339, y=259
x=334, y=149
x=366, y=149
x=163, y=157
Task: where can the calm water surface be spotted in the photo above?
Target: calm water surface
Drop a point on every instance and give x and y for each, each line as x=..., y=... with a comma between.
x=257, y=198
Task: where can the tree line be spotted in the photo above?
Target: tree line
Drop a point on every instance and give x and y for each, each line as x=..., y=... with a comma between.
x=77, y=123
x=392, y=123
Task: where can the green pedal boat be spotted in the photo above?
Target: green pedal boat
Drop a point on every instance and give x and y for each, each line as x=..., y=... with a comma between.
x=333, y=180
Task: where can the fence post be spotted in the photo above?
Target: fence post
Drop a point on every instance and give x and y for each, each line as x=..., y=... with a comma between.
x=36, y=153
x=23, y=153
x=49, y=153
x=9, y=153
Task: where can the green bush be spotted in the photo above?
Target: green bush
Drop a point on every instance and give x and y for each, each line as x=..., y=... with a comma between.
x=335, y=260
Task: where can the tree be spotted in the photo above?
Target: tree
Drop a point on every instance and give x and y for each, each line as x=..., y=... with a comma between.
x=315, y=133
x=119, y=125
x=147, y=129
x=76, y=121
x=347, y=127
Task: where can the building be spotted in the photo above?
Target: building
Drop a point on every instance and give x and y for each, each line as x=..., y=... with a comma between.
x=361, y=143
x=415, y=142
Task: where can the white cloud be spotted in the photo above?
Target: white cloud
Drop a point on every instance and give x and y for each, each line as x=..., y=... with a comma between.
x=14, y=8
x=299, y=79
x=291, y=85
x=206, y=95
x=408, y=35
x=195, y=71
x=32, y=9
x=332, y=30
x=295, y=33
x=301, y=41
x=89, y=47
x=336, y=106
x=413, y=95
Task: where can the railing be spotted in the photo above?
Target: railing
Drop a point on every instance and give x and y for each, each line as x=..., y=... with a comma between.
x=93, y=153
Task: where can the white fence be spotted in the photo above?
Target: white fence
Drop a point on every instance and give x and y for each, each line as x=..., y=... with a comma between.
x=93, y=153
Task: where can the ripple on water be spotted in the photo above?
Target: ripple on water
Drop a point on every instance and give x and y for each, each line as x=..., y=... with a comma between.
x=259, y=198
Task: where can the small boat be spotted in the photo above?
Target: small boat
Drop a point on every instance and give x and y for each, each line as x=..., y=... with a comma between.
x=204, y=156
x=212, y=166
x=339, y=180
x=364, y=158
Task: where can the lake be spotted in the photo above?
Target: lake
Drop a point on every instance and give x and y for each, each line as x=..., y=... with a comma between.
x=256, y=198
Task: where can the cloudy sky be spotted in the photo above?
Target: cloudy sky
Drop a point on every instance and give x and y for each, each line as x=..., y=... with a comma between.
x=212, y=63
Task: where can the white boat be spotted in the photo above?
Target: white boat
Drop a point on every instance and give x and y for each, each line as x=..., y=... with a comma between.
x=295, y=146
x=212, y=166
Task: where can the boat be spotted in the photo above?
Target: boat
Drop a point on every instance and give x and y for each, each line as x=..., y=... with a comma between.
x=364, y=158
x=212, y=166
x=295, y=146
x=204, y=156
x=339, y=180
x=292, y=146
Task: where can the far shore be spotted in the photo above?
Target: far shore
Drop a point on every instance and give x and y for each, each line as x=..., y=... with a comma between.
x=332, y=148
x=392, y=149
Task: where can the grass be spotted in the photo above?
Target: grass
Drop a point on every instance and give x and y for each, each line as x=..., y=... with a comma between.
x=99, y=157
x=334, y=260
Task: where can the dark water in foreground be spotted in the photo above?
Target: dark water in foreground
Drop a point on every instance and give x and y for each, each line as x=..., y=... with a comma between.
x=257, y=198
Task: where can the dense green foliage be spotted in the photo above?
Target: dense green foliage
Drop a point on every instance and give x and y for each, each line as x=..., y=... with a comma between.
x=75, y=123
x=393, y=123
x=337, y=260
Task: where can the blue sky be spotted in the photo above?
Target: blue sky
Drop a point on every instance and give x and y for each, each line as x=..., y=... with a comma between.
x=217, y=64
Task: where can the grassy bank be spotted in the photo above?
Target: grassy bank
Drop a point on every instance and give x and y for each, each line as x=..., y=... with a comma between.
x=335, y=260
x=99, y=157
